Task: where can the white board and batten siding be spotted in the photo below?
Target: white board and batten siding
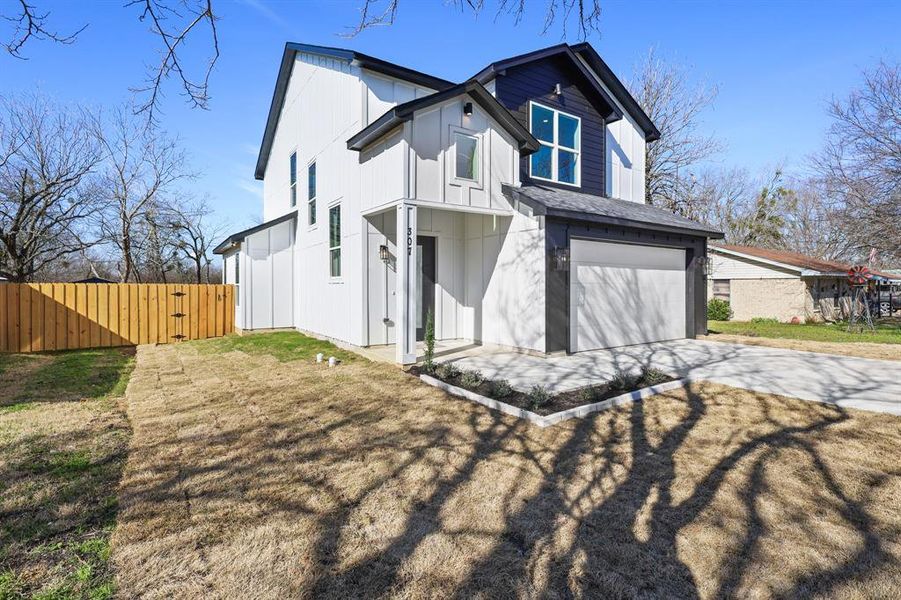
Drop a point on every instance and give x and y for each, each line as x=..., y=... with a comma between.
x=266, y=278
x=625, y=294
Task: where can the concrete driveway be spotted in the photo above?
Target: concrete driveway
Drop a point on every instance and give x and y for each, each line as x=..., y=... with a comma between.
x=844, y=381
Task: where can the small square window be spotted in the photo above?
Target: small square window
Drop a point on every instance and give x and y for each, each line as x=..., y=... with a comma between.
x=466, y=149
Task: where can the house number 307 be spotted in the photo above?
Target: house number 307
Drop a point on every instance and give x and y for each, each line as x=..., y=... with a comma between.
x=409, y=241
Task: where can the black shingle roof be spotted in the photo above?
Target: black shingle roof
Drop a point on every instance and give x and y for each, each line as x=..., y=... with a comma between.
x=588, y=207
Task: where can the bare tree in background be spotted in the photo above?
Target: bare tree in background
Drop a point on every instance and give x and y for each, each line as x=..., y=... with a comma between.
x=663, y=91
x=197, y=235
x=813, y=224
x=585, y=13
x=860, y=166
x=47, y=156
x=760, y=220
x=140, y=167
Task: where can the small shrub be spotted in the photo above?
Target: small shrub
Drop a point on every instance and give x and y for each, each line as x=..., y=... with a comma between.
x=429, y=362
x=538, y=396
x=623, y=381
x=447, y=371
x=501, y=388
x=651, y=376
x=589, y=394
x=765, y=321
x=719, y=310
x=471, y=379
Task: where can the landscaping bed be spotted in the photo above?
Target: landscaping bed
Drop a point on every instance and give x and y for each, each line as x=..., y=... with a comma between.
x=539, y=399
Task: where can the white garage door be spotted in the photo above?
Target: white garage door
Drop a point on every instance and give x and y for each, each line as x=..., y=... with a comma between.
x=622, y=294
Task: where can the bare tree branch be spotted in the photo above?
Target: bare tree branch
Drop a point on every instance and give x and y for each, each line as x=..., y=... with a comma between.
x=28, y=24
x=174, y=37
x=587, y=13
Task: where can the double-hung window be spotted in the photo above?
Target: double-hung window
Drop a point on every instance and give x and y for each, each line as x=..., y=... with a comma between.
x=311, y=193
x=560, y=136
x=334, y=240
x=293, y=179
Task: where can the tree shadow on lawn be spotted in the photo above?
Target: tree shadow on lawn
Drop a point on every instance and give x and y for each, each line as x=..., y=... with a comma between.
x=397, y=489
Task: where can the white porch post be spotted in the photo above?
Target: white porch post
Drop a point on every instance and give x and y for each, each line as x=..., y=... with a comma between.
x=407, y=282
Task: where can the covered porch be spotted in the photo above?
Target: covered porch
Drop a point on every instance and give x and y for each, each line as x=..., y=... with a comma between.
x=477, y=270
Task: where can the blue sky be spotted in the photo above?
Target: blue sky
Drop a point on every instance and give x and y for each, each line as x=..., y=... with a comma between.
x=776, y=65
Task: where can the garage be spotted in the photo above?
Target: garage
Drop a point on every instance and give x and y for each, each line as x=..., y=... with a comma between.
x=625, y=294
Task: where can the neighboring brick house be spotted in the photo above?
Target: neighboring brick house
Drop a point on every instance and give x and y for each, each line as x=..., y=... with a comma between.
x=760, y=282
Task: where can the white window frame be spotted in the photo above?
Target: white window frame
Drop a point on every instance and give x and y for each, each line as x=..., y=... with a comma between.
x=556, y=147
x=334, y=278
x=238, y=278
x=480, y=148
x=292, y=187
x=312, y=217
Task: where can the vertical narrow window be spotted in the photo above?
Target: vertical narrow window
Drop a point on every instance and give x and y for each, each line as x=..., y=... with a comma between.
x=311, y=192
x=334, y=240
x=293, y=179
x=237, y=279
x=560, y=137
x=466, y=148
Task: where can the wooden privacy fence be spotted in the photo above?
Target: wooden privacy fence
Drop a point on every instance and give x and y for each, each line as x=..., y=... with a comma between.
x=64, y=316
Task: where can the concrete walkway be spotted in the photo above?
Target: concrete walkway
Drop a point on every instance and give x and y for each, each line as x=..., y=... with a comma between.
x=844, y=381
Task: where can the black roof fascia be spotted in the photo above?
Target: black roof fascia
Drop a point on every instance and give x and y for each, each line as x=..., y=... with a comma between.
x=238, y=237
x=597, y=64
x=404, y=112
x=540, y=209
x=498, y=67
x=363, y=60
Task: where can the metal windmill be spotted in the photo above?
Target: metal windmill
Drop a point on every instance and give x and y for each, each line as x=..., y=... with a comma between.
x=861, y=318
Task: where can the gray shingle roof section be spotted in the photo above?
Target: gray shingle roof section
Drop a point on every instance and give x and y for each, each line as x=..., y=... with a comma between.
x=587, y=207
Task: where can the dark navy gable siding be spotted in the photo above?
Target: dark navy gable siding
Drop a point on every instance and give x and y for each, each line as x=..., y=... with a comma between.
x=535, y=81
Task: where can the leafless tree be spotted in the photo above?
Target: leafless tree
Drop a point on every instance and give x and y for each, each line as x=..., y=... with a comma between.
x=813, y=224
x=663, y=91
x=761, y=221
x=197, y=233
x=29, y=24
x=140, y=167
x=47, y=157
x=585, y=13
x=860, y=165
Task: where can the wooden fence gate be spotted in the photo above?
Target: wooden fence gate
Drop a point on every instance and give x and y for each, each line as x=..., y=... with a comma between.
x=64, y=316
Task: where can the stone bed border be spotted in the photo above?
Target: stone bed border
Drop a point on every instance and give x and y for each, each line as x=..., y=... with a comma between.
x=563, y=415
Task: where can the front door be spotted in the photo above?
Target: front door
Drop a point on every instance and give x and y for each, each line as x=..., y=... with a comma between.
x=425, y=295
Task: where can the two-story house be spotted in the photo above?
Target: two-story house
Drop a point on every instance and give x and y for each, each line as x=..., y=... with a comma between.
x=511, y=205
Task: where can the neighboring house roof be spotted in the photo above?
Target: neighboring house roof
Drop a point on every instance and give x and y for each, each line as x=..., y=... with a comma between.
x=498, y=67
x=588, y=207
x=793, y=260
x=94, y=280
x=404, y=112
x=239, y=237
x=363, y=60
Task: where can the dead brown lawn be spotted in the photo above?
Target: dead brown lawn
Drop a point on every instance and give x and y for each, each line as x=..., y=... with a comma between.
x=859, y=349
x=252, y=478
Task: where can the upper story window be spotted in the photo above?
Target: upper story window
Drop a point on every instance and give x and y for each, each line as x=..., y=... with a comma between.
x=560, y=136
x=311, y=193
x=466, y=149
x=334, y=240
x=293, y=179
